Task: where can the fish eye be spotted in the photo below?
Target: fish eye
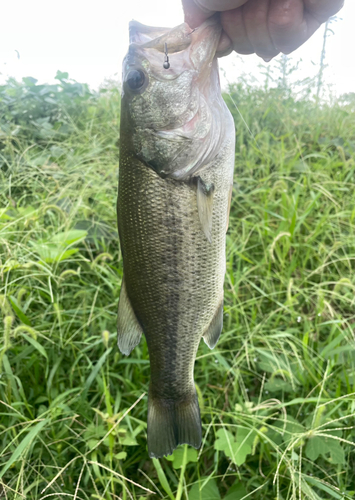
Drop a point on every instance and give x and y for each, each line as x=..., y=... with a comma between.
x=135, y=79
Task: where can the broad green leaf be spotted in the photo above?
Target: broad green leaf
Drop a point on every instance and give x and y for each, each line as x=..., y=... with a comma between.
x=245, y=435
x=239, y=453
x=242, y=446
x=41, y=399
x=61, y=75
x=26, y=212
x=337, y=455
x=235, y=448
x=316, y=446
x=128, y=441
x=225, y=441
x=6, y=216
x=236, y=492
x=177, y=457
x=52, y=252
x=69, y=237
x=290, y=427
x=91, y=443
x=66, y=254
x=205, y=489
x=29, y=81
x=320, y=445
x=95, y=431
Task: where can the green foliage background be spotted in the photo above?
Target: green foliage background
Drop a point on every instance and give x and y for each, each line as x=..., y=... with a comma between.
x=276, y=394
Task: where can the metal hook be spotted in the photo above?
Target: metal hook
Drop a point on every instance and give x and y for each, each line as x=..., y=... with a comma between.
x=166, y=59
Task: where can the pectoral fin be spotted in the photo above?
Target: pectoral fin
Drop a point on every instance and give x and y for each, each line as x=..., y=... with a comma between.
x=129, y=331
x=205, y=206
x=213, y=332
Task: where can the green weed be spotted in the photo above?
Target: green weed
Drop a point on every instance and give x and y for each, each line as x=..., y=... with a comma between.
x=276, y=394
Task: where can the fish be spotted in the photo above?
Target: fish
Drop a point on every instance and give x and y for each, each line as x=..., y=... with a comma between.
x=177, y=150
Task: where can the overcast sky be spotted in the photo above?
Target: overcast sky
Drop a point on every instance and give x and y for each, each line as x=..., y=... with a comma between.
x=89, y=39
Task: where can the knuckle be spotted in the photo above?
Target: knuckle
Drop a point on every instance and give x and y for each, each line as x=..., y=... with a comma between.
x=256, y=16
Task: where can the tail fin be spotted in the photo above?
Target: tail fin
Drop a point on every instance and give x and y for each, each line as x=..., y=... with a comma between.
x=171, y=423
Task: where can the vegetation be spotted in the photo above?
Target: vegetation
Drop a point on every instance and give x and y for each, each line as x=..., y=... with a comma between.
x=276, y=394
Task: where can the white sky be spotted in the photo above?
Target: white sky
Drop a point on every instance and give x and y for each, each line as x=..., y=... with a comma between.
x=89, y=40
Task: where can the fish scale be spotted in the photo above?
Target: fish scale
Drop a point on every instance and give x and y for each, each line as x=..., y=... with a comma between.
x=174, y=267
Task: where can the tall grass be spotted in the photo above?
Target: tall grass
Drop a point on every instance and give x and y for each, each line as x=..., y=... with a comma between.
x=276, y=394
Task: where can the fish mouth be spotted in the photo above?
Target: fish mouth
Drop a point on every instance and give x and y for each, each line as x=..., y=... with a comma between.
x=201, y=43
x=150, y=37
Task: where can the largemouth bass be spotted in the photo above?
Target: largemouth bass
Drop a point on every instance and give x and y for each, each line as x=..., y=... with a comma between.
x=175, y=181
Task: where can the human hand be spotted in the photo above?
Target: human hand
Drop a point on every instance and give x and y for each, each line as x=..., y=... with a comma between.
x=264, y=27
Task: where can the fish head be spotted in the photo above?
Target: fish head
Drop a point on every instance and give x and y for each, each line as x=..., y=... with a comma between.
x=172, y=111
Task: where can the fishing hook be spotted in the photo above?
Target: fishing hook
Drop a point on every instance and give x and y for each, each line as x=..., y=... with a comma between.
x=166, y=59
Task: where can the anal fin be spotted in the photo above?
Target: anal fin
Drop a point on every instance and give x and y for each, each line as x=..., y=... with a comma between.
x=129, y=330
x=205, y=206
x=214, y=330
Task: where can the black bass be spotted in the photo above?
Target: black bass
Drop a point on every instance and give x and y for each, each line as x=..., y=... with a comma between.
x=175, y=182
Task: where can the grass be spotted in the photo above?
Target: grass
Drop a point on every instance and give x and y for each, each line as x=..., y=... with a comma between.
x=276, y=394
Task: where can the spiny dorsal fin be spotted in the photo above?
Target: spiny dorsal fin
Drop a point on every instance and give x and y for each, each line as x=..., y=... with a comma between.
x=205, y=206
x=129, y=331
